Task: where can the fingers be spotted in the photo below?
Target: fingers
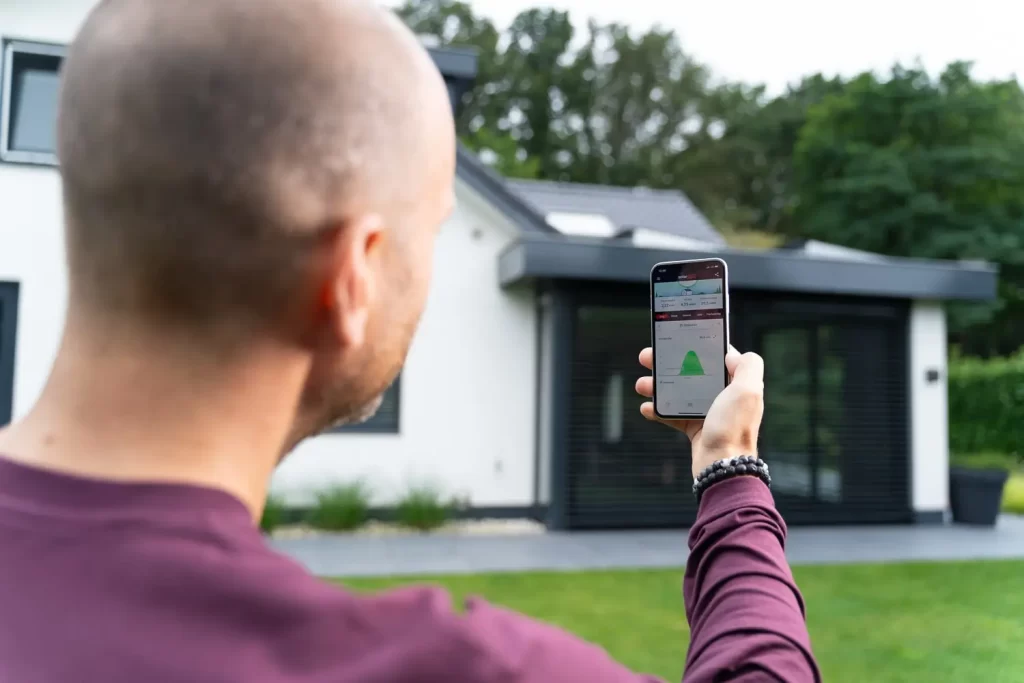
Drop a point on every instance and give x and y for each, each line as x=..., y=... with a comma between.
x=749, y=372
x=747, y=368
x=689, y=427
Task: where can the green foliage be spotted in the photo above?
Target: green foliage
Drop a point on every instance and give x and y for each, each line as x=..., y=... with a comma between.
x=591, y=103
x=986, y=460
x=274, y=511
x=986, y=405
x=342, y=507
x=905, y=165
x=1013, y=494
x=424, y=508
x=922, y=167
x=743, y=179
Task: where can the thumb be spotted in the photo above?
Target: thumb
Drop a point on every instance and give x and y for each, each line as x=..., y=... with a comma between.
x=732, y=360
x=749, y=371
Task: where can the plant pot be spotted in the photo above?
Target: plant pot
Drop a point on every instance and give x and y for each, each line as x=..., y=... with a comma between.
x=975, y=495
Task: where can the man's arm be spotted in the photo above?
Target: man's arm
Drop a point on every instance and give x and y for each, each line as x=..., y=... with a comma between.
x=746, y=614
x=529, y=651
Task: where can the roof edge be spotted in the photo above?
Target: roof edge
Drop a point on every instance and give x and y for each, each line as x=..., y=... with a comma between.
x=902, y=278
x=493, y=188
x=596, y=188
x=455, y=62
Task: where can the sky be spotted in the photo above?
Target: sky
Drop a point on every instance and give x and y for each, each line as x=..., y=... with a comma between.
x=775, y=42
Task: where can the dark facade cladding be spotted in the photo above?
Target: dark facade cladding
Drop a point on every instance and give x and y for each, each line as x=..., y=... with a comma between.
x=538, y=257
x=835, y=429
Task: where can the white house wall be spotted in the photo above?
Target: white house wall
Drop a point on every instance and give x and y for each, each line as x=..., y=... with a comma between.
x=32, y=254
x=929, y=418
x=468, y=390
x=468, y=396
x=31, y=237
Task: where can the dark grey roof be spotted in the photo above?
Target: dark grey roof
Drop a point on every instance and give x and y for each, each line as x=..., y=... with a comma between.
x=564, y=258
x=667, y=211
x=495, y=189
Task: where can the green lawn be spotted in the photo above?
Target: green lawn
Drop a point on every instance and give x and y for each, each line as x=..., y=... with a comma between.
x=957, y=622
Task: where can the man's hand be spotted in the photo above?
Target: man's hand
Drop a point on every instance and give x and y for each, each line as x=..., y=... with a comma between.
x=730, y=429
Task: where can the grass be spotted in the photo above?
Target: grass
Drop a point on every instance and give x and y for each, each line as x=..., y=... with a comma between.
x=956, y=622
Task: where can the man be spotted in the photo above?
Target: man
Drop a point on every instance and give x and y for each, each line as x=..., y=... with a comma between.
x=251, y=190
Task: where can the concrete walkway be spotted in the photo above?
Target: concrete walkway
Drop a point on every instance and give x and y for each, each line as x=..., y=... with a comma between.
x=442, y=554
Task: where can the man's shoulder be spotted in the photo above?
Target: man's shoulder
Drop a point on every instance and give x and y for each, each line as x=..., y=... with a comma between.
x=414, y=633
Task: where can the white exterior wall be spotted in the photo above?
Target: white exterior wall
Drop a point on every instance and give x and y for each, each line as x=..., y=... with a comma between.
x=468, y=388
x=929, y=418
x=468, y=395
x=31, y=236
x=32, y=254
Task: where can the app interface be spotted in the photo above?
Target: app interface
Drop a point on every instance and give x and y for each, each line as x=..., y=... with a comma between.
x=689, y=337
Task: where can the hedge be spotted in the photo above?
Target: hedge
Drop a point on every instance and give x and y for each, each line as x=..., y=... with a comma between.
x=986, y=405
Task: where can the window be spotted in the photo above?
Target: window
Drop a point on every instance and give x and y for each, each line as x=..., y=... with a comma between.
x=30, y=89
x=385, y=421
x=8, y=325
x=614, y=408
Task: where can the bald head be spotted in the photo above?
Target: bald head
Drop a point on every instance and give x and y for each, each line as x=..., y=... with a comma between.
x=207, y=148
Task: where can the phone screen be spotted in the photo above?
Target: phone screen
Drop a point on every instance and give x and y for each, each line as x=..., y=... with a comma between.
x=689, y=301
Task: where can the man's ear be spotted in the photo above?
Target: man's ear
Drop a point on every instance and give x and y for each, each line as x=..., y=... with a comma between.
x=353, y=279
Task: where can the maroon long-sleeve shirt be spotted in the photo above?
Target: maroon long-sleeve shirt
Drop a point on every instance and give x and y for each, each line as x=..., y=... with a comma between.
x=104, y=582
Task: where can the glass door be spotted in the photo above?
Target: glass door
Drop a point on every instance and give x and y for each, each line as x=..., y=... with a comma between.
x=834, y=428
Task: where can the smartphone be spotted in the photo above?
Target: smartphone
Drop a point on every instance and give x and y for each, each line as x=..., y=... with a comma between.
x=689, y=335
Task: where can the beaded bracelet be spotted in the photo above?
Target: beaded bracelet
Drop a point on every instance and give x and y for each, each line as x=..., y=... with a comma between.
x=727, y=469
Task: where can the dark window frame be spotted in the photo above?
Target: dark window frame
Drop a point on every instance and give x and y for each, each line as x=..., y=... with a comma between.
x=11, y=49
x=377, y=425
x=9, y=292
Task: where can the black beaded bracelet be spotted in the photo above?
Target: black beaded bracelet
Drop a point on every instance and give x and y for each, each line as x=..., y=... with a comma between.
x=727, y=469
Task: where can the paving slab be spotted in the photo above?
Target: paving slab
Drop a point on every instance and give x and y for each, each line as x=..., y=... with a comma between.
x=350, y=556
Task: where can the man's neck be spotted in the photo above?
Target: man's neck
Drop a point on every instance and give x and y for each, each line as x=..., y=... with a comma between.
x=146, y=412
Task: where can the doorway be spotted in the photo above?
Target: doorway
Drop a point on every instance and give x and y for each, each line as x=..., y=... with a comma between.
x=834, y=431
x=836, y=404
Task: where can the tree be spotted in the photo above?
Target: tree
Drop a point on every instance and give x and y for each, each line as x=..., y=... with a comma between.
x=632, y=103
x=743, y=178
x=609, y=106
x=924, y=167
x=453, y=23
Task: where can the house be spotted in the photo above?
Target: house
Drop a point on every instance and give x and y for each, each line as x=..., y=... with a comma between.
x=518, y=391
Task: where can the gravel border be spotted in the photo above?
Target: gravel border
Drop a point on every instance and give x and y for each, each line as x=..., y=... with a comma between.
x=464, y=527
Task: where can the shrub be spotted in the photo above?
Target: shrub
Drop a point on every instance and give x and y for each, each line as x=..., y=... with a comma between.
x=273, y=514
x=424, y=508
x=342, y=507
x=1013, y=495
x=986, y=404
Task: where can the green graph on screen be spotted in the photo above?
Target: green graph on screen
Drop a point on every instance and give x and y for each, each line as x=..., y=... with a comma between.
x=691, y=365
